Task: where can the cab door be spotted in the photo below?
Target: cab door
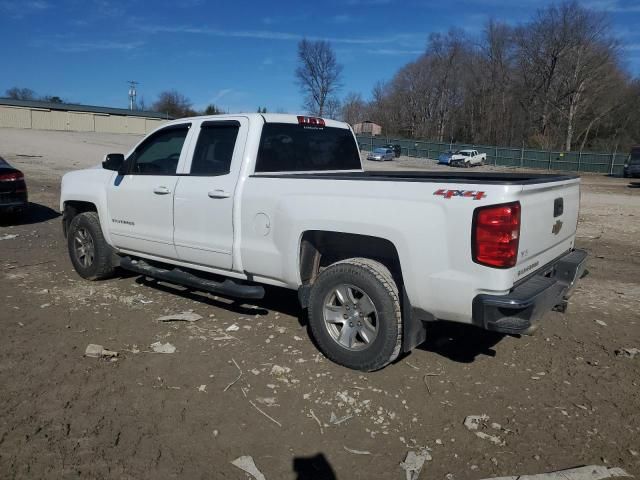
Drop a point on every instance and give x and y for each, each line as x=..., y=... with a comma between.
x=140, y=203
x=204, y=198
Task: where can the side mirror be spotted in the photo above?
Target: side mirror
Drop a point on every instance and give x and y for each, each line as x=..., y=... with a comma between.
x=113, y=161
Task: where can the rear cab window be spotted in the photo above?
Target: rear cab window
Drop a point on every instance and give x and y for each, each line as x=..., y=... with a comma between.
x=290, y=147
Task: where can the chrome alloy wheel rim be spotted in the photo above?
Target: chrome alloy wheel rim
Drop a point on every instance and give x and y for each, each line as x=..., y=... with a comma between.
x=84, y=247
x=350, y=317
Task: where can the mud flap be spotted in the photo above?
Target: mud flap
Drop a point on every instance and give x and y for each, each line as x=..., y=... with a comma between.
x=413, y=324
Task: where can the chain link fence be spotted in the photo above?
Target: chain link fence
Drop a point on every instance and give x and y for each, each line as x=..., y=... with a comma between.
x=610, y=163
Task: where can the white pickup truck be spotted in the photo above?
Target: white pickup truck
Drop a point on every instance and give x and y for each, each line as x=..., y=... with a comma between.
x=228, y=203
x=468, y=158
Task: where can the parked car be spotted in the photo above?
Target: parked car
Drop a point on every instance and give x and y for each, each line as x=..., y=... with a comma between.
x=632, y=165
x=397, y=149
x=13, y=189
x=445, y=157
x=381, y=154
x=229, y=203
x=467, y=158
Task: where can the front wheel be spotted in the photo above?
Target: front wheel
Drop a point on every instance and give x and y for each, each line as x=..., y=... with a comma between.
x=90, y=254
x=355, y=316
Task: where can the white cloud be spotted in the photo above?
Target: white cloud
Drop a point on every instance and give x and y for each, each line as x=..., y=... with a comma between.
x=367, y=2
x=615, y=6
x=394, y=51
x=18, y=9
x=343, y=18
x=221, y=94
x=284, y=36
x=72, y=47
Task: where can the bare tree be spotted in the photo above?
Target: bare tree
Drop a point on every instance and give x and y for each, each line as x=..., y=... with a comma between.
x=555, y=81
x=213, y=110
x=141, y=104
x=318, y=74
x=17, y=93
x=173, y=104
x=354, y=108
x=332, y=108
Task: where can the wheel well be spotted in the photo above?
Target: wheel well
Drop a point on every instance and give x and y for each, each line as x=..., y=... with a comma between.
x=73, y=208
x=319, y=249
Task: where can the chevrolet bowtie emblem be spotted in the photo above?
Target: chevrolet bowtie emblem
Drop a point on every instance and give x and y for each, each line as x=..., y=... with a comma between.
x=556, y=227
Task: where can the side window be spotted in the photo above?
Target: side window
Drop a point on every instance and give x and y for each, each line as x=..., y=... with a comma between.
x=214, y=150
x=159, y=154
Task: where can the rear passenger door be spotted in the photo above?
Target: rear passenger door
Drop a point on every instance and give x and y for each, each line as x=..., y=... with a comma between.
x=204, y=198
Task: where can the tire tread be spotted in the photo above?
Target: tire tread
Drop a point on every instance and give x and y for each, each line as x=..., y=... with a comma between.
x=385, y=278
x=104, y=252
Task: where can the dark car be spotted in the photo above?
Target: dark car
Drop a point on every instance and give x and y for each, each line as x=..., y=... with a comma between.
x=13, y=189
x=632, y=165
x=397, y=149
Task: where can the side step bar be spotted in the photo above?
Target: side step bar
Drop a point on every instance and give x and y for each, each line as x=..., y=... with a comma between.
x=227, y=288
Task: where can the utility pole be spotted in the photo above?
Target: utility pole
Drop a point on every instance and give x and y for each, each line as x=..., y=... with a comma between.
x=132, y=93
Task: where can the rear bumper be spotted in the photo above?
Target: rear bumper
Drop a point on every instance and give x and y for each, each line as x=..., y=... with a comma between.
x=13, y=200
x=519, y=311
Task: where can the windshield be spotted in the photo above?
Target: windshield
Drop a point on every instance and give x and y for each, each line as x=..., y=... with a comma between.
x=380, y=150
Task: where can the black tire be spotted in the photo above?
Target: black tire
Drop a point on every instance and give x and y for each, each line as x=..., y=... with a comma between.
x=374, y=279
x=87, y=225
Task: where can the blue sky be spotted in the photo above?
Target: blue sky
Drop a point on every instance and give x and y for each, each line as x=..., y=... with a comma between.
x=237, y=54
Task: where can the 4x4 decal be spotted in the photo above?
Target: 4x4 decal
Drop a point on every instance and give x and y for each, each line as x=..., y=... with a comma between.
x=476, y=195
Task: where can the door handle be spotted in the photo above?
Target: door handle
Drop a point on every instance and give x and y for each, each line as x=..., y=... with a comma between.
x=218, y=194
x=162, y=190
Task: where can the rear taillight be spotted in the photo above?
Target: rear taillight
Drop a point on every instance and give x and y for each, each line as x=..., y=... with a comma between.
x=496, y=232
x=315, y=121
x=11, y=177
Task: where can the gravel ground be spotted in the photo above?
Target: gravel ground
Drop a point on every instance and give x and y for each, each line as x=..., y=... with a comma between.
x=247, y=379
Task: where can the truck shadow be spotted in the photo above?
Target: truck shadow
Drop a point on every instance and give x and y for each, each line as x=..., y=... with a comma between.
x=34, y=213
x=458, y=342
x=633, y=185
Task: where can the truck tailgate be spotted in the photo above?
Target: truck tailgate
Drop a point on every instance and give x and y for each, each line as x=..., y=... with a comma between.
x=549, y=218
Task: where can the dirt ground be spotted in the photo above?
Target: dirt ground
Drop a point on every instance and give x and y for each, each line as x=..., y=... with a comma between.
x=562, y=398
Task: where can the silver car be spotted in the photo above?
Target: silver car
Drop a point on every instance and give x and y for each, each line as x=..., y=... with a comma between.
x=381, y=154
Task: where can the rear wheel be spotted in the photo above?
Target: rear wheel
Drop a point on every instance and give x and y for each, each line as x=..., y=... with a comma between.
x=90, y=254
x=354, y=314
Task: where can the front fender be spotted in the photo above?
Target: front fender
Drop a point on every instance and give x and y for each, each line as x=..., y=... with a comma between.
x=88, y=186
